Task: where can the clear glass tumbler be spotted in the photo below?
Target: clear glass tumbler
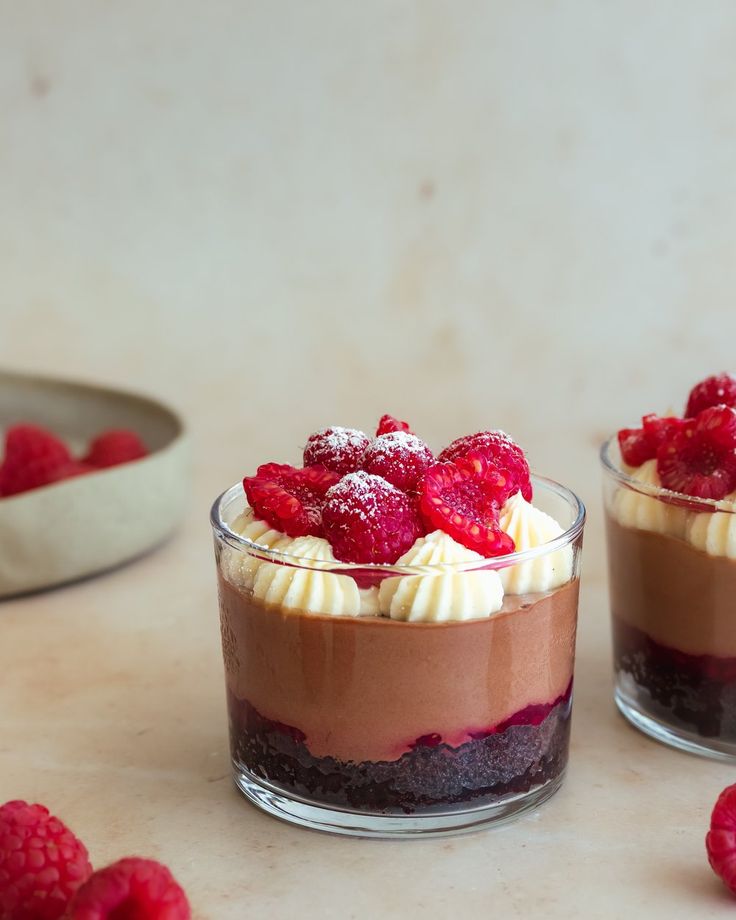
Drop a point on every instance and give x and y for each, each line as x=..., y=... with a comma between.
x=672, y=584
x=374, y=726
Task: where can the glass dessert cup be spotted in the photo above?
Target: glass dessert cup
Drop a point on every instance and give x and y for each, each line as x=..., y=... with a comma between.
x=373, y=726
x=672, y=584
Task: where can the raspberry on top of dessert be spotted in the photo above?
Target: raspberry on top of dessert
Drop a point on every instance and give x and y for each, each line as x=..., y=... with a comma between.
x=695, y=454
x=388, y=500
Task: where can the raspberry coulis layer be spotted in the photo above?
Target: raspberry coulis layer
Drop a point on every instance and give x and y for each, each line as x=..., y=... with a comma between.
x=698, y=692
x=524, y=752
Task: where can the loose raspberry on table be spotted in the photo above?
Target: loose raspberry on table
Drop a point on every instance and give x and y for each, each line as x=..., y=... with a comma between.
x=720, y=841
x=464, y=498
x=131, y=889
x=114, y=447
x=500, y=449
x=290, y=499
x=388, y=423
x=337, y=449
x=399, y=457
x=720, y=389
x=42, y=863
x=699, y=458
x=33, y=458
x=638, y=445
x=367, y=520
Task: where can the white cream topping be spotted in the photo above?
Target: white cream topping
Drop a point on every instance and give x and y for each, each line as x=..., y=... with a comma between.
x=715, y=533
x=442, y=596
x=238, y=566
x=634, y=509
x=308, y=589
x=369, y=602
x=530, y=527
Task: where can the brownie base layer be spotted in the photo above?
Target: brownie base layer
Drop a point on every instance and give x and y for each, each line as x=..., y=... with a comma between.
x=692, y=692
x=526, y=751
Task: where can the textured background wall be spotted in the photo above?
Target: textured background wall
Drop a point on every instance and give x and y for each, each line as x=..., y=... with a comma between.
x=469, y=214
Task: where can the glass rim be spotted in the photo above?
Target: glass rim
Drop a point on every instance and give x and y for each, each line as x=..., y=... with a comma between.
x=690, y=502
x=568, y=536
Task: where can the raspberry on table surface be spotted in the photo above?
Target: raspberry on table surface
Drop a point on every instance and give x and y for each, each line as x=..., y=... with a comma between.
x=720, y=841
x=42, y=863
x=131, y=889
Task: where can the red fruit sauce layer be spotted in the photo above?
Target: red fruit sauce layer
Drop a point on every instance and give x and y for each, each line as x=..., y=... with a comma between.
x=693, y=692
x=674, y=628
x=526, y=751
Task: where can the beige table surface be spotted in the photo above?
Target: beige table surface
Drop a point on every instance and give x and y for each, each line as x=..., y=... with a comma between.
x=279, y=216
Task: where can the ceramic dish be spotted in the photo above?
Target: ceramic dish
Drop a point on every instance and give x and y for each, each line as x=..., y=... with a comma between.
x=90, y=523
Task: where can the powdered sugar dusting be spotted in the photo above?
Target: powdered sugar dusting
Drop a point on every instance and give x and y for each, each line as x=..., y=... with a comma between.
x=394, y=441
x=366, y=519
x=400, y=457
x=337, y=448
x=361, y=494
x=338, y=439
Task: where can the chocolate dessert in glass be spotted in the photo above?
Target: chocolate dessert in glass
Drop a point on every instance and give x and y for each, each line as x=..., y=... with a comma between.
x=670, y=503
x=398, y=632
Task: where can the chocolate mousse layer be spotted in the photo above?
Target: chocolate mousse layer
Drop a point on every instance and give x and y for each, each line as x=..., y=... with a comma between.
x=374, y=713
x=674, y=628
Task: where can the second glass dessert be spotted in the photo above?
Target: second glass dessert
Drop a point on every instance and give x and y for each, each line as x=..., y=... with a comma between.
x=427, y=695
x=670, y=500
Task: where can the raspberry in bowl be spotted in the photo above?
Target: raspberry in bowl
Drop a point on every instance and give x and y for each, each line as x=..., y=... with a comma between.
x=398, y=630
x=670, y=503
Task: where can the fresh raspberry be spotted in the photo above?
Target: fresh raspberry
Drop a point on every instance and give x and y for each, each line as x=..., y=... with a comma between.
x=131, y=889
x=699, y=458
x=337, y=449
x=464, y=498
x=366, y=519
x=114, y=447
x=72, y=469
x=720, y=841
x=400, y=457
x=290, y=499
x=635, y=446
x=501, y=450
x=718, y=390
x=388, y=423
x=641, y=444
x=41, y=863
x=33, y=457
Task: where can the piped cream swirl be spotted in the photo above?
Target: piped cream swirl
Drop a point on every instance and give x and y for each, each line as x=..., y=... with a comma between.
x=529, y=527
x=239, y=567
x=310, y=590
x=645, y=512
x=443, y=595
x=715, y=533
